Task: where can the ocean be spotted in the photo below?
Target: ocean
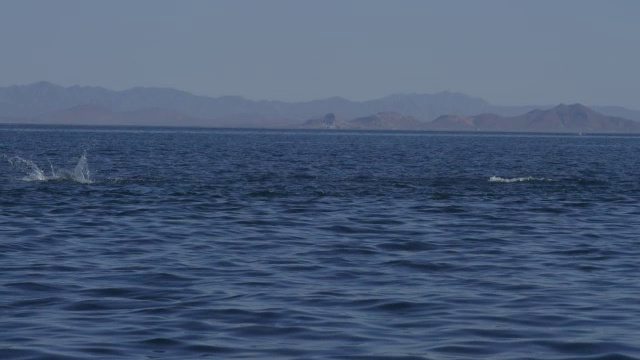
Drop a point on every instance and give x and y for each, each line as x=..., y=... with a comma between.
x=176, y=243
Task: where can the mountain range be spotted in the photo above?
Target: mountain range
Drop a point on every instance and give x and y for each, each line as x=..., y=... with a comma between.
x=40, y=99
x=575, y=118
x=44, y=102
x=560, y=119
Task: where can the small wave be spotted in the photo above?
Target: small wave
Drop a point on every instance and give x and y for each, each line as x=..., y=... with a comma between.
x=80, y=173
x=518, y=179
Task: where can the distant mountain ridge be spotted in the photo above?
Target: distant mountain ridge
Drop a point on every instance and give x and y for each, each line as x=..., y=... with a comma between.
x=562, y=118
x=44, y=102
x=38, y=99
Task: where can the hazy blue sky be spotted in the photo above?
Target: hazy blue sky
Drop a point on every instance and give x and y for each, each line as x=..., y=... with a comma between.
x=508, y=52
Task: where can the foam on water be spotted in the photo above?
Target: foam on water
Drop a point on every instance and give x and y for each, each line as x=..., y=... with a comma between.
x=80, y=173
x=518, y=179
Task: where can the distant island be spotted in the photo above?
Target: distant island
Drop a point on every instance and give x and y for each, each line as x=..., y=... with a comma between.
x=560, y=119
x=47, y=103
x=574, y=118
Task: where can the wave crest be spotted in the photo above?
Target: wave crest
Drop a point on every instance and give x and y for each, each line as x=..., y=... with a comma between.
x=518, y=179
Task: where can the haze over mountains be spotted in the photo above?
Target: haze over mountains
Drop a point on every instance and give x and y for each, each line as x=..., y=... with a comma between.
x=562, y=118
x=44, y=102
x=379, y=121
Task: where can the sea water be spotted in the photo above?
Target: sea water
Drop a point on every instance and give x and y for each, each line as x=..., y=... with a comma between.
x=159, y=243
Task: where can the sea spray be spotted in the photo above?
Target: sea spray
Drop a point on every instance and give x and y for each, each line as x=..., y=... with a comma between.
x=32, y=171
x=80, y=173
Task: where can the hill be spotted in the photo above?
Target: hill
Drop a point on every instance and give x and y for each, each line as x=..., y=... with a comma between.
x=562, y=118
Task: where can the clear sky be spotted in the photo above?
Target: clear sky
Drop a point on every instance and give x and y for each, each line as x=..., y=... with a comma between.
x=508, y=52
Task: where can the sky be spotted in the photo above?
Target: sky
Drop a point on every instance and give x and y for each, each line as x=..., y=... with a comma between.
x=508, y=52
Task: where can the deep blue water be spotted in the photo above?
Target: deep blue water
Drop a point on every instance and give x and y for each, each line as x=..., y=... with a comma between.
x=144, y=243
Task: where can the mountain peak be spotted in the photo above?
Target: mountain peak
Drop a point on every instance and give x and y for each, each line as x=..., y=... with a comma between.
x=575, y=110
x=572, y=107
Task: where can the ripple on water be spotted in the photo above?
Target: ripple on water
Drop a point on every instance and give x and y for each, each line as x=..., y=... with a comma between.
x=279, y=245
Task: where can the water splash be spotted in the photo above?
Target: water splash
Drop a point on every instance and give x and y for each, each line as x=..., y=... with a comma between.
x=28, y=167
x=80, y=173
x=518, y=179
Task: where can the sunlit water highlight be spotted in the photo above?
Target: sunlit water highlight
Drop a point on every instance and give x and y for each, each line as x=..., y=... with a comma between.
x=237, y=244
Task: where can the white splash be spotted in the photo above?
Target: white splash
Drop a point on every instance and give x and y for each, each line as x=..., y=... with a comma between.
x=518, y=179
x=80, y=173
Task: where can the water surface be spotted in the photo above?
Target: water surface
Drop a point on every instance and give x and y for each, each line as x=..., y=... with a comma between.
x=156, y=243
